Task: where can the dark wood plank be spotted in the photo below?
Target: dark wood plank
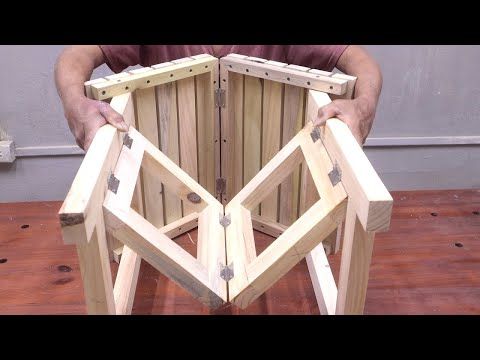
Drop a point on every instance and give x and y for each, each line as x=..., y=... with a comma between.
x=425, y=264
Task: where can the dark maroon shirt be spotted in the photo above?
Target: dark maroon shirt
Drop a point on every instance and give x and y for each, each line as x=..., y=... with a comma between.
x=322, y=57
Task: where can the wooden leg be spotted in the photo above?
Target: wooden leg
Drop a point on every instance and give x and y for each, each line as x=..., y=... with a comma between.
x=128, y=271
x=96, y=273
x=355, y=265
x=322, y=280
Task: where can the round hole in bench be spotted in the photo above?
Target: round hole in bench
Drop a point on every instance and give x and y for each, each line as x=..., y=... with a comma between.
x=148, y=81
x=331, y=87
x=288, y=79
x=308, y=82
x=475, y=212
x=247, y=70
x=25, y=226
x=126, y=87
x=103, y=92
x=3, y=261
x=434, y=214
x=190, y=70
x=458, y=244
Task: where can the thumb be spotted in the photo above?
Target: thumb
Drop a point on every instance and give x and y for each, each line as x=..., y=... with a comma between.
x=112, y=117
x=326, y=112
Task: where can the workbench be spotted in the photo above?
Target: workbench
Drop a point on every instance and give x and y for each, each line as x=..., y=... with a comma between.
x=427, y=263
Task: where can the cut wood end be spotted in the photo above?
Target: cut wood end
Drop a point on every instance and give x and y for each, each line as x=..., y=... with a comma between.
x=71, y=219
x=379, y=214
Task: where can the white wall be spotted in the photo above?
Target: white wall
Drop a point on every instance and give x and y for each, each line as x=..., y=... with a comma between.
x=430, y=95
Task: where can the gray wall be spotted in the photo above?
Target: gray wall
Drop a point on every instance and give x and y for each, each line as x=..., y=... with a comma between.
x=429, y=110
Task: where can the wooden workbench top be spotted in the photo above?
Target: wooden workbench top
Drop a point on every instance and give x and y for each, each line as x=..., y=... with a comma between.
x=428, y=263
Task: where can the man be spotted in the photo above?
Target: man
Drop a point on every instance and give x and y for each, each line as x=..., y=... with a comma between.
x=85, y=116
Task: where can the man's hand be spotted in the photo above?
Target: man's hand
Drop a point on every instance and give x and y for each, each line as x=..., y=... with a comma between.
x=357, y=114
x=86, y=116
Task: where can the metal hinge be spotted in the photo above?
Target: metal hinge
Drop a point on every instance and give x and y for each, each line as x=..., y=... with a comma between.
x=226, y=272
x=335, y=175
x=113, y=183
x=127, y=141
x=220, y=98
x=225, y=220
x=220, y=186
x=315, y=134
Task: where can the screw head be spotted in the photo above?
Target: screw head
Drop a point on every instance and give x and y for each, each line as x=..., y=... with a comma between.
x=194, y=198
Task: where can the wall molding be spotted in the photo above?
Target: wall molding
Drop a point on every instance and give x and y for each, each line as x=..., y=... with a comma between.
x=422, y=141
x=74, y=150
x=63, y=150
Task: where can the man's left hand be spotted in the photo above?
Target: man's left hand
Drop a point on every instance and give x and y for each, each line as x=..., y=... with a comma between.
x=356, y=113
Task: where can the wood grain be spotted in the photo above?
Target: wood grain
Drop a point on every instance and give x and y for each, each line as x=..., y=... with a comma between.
x=416, y=267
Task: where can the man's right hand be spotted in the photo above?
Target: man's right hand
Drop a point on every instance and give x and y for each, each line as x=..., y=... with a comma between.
x=85, y=116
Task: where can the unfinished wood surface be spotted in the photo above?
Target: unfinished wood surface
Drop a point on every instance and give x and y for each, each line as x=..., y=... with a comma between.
x=211, y=246
x=355, y=265
x=217, y=140
x=180, y=226
x=232, y=134
x=372, y=200
x=156, y=75
x=82, y=206
x=96, y=274
x=286, y=74
x=204, y=90
x=271, y=175
x=147, y=125
x=271, y=126
x=240, y=248
x=322, y=280
x=274, y=229
x=290, y=248
x=128, y=194
x=424, y=264
x=165, y=255
x=168, y=126
x=351, y=81
x=248, y=238
x=187, y=128
x=126, y=281
x=127, y=171
x=320, y=165
x=252, y=129
x=175, y=178
x=293, y=114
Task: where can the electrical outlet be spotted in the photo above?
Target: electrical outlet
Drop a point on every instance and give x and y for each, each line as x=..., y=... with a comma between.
x=7, y=151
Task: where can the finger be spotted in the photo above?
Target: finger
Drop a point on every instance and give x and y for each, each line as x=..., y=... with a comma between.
x=326, y=112
x=112, y=117
x=80, y=143
x=89, y=139
x=80, y=137
x=90, y=130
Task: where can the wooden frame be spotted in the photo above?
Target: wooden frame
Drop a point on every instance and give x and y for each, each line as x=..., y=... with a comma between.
x=107, y=199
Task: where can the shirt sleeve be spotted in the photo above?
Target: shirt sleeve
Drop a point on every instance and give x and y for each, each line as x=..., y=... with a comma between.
x=321, y=57
x=119, y=57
